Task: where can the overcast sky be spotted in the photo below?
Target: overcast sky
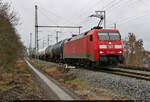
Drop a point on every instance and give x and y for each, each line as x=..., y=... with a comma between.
x=129, y=15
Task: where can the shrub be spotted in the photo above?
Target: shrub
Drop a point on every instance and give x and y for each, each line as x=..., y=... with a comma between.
x=10, y=44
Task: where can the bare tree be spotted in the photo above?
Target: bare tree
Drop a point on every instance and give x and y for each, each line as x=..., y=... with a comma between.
x=134, y=51
x=10, y=44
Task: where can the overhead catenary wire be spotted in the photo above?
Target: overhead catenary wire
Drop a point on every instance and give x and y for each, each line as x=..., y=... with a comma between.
x=86, y=13
x=114, y=6
x=88, y=8
x=44, y=14
x=97, y=3
x=124, y=18
x=50, y=20
x=118, y=4
x=127, y=4
x=51, y=13
x=47, y=17
x=109, y=5
x=85, y=5
x=106, y=5
x=133, y=17
x=140, y=17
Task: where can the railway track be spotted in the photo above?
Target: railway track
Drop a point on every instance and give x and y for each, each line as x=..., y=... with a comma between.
x=142, y=75
x=132, y=73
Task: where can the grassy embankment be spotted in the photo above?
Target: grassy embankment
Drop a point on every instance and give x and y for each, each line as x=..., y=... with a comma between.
x=80, y=87
x=19, y=84
x=16, y=81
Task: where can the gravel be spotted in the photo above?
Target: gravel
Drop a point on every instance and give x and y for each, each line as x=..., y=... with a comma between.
x=130, y=88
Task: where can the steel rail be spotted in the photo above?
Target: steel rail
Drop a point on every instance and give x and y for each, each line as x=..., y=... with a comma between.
x=130, y=74
x=138, y=75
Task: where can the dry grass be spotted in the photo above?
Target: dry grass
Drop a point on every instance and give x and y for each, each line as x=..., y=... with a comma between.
x=79, y=86
x=76, y=84
x=19, y=84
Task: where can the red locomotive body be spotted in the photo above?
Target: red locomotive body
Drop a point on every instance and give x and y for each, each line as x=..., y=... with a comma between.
x=96, y=46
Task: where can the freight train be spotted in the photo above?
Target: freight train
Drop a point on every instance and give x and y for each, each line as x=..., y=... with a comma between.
x=94, y=47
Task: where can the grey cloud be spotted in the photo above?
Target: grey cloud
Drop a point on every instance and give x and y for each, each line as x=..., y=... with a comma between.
x=75, y=12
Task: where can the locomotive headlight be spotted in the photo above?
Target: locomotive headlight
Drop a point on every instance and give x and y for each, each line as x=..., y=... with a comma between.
x=101, y=52
x=103, y=46
x=118, y=46
x=120, y=52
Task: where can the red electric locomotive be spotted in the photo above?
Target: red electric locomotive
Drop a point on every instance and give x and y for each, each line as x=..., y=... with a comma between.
x=97, y=46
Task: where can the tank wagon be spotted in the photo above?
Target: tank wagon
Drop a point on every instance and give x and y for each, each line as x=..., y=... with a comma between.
x=41, y=53
x=48, y=52
x=53, y=52
x=97, y=46
x=57, y=51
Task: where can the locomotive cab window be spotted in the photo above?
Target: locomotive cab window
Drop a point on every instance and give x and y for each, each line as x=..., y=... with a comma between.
x=109, y=36
x=114, y=36
x=103, y=36
x=91, y=38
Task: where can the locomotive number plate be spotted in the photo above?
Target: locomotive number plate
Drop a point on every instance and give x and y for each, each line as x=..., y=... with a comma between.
x=110, y=46
x=110, y=52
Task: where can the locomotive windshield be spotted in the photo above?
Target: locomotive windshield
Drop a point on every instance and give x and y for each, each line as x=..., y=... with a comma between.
x=103, y=36
x=109, y=36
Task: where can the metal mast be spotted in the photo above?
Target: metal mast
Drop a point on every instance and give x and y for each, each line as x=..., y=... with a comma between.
x=30, y=42
x=36, y=28
x=57, y=36
x=48, y=40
